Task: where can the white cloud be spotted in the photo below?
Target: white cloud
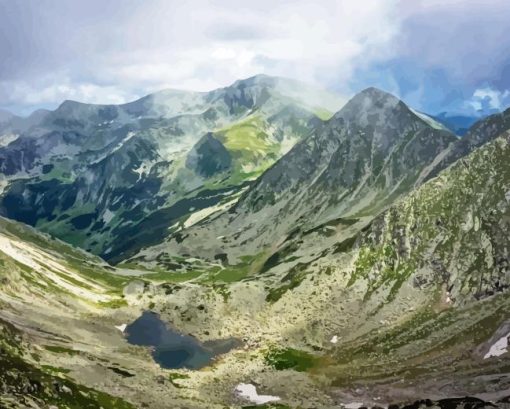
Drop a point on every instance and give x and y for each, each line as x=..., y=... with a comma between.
x=25, y=94
x=188, y=46
x=489, y=99
x=206, y=44
x=117, y=50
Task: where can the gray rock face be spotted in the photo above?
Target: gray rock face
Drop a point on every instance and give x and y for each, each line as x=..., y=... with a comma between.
x=209, y=157
x=375, y=141
x=134, y=288
x=479, y=134
x=94, y=175
x=372, y=151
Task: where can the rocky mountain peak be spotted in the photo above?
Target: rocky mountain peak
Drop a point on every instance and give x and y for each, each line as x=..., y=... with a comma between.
x=69, y=104
x=256, y=80
x=375, y=107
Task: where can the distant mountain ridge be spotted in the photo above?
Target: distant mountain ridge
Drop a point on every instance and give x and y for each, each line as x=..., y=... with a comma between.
x=116, y=178
x=90, y=173
x=367, y=155
x=336, y=172
x=364, y=258
x=478, y=135
x=458, y=124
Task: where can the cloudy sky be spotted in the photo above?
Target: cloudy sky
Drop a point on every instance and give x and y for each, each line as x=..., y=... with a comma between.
x=438, y=55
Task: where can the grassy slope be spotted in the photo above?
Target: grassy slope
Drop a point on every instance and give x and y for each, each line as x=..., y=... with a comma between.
x=48, y=274
x=251, y=145
x=455, y=222
x=445, y=239
x=76, y=262
x=24, y=384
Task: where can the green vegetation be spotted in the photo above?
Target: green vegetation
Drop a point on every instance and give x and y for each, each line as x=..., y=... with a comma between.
x=248, y=140
x=252, y=147
x=346, y=245
x=23, y=382
x=61, y=350
x=222, y=289
x=99, y=274
x=323, y=113
x=173, y=277
x=291, y=280
x=174, y=377
x=455, y=207
x=84, y=264
x=206, y=274
x=289, y=358
x=117, y=303
x=230, y=274
x=279, y=256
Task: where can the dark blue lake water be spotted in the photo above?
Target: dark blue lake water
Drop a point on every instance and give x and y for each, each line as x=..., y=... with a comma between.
x=170, y=348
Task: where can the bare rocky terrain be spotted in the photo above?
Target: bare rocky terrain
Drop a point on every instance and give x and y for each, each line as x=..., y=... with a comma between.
x=391, y=292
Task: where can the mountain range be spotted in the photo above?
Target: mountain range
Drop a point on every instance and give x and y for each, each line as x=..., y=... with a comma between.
x=349, y=254
x=91, y=173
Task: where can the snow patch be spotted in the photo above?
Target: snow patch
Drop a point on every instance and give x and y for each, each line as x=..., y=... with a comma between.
x=121, y=327
x=141, y=170
x=6, y=139
x=429, y=120
x=353, y=405
x=108, y=215
x=129, y=135
x=249, y=392
x=203, y=213
x=500, y=347
x=334, y=340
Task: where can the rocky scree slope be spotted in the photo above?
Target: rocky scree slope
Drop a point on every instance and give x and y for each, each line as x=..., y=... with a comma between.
x=416, y=301
x=434, y=271
x=61, y=342
x=367, y=155
x=407, y=308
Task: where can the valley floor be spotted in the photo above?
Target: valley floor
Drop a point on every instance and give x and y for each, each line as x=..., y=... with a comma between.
x=411, y=304
x=65, y=347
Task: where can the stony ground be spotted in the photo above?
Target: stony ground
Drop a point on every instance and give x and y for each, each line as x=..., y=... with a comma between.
x=367, y=312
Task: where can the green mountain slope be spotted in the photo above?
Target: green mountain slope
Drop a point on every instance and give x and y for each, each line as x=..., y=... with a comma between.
x=381, y=308
x=371, y=152
x=94, y=174
x=45, y=287
x=433, y=271
x=61, y=344
x=406, y=306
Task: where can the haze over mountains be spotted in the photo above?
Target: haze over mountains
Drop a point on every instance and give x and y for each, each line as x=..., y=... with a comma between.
x=93, y=175
x=359, y=252
x=374, y=149
x=89, y=173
